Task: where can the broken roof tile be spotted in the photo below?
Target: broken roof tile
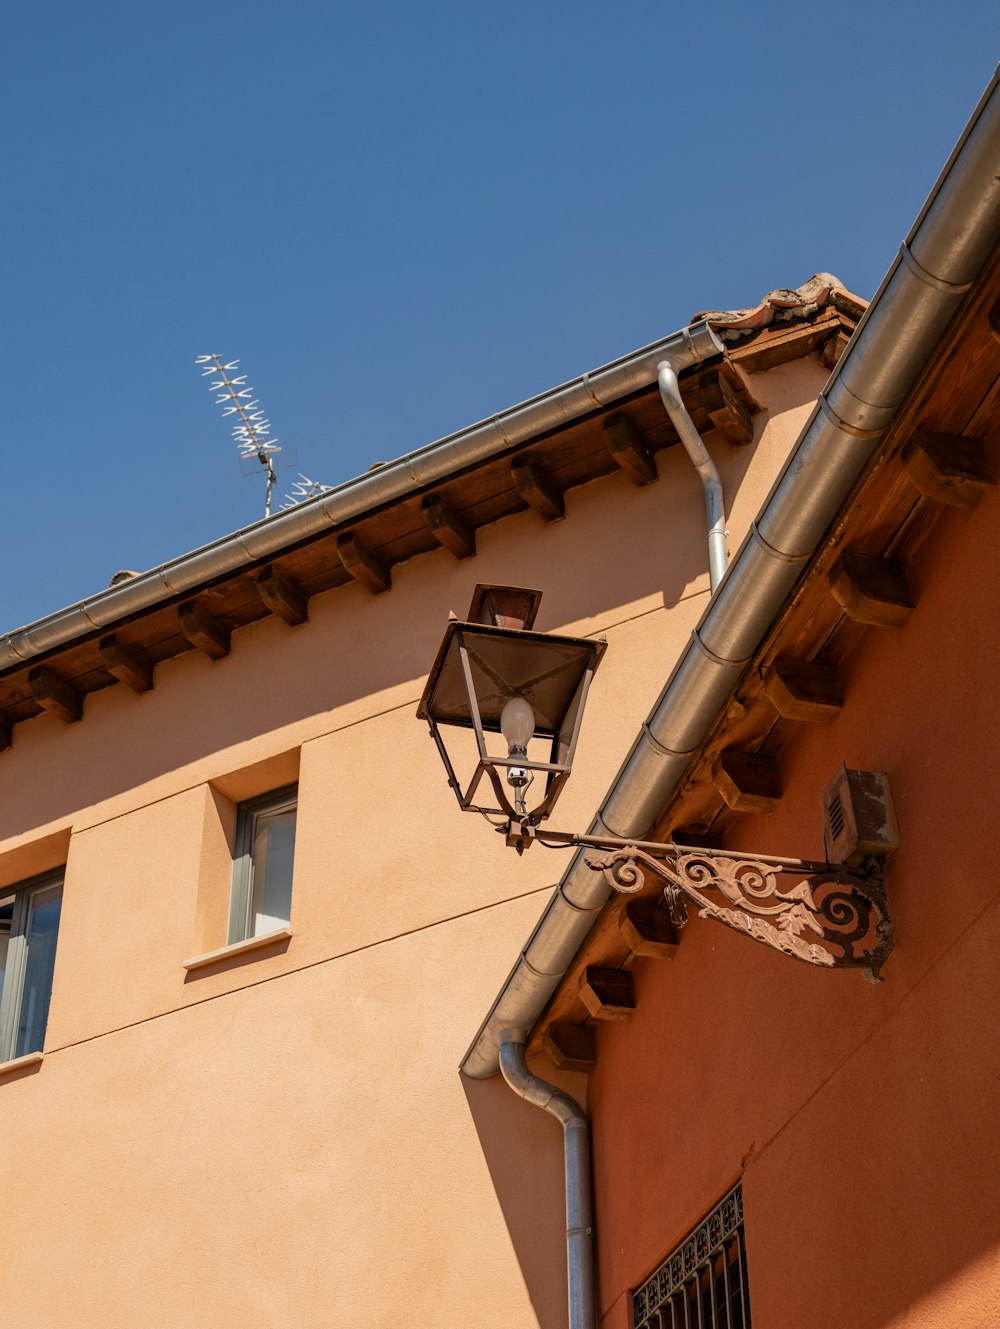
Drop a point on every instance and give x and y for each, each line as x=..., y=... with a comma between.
x=778, y=305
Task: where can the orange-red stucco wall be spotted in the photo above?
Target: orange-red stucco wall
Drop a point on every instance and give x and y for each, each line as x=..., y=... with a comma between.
x=863, y=1119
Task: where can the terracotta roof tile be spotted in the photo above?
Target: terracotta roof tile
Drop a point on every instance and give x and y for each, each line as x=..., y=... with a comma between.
x=782, y=304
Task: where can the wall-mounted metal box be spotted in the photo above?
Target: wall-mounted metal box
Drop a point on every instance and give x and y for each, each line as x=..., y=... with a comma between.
x=858, y=816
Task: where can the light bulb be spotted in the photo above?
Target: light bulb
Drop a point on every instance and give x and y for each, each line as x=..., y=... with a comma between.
x=517, y=724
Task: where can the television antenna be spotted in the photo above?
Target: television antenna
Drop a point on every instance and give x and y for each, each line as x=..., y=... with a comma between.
x=252, y=430
x=303, y=488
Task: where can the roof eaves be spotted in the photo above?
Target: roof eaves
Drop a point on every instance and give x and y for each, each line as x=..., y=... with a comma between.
x=355, y=498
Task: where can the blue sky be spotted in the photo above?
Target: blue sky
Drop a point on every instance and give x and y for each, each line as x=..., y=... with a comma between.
x=402, y=218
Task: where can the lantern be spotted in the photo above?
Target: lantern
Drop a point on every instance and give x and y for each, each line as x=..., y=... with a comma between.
x=495, y=676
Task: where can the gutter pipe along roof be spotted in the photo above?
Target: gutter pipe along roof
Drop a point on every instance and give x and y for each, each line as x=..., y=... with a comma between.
x=357, y=498
x=954, y=234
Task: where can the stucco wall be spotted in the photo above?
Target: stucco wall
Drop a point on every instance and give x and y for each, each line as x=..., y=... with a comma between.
x=862, y=1118
x=284, y=1139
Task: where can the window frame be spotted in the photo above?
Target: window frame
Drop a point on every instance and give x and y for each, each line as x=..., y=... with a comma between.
x=249, y=814
x=16, y=964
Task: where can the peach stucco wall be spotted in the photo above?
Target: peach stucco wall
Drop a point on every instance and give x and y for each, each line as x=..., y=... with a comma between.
x=284, y=1138
x=862, y=1118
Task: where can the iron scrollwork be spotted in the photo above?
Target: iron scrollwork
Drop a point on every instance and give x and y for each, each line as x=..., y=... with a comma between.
x=831, y=916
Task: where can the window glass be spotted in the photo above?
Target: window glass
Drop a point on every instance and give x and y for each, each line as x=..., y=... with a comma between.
x=36, y=987
x=6, y=921
x=262, y=866
x=29, y=927
x=273, y=849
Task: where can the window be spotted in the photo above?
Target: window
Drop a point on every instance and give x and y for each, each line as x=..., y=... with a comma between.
x=704, y=1281
x=262, y=869
x=29, y=925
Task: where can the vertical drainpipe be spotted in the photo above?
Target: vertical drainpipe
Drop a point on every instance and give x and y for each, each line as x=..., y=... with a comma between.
x=576, y=1151
x=670, y=393
x=581, y=1283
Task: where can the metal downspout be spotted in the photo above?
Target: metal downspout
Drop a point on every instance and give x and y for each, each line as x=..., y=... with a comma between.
x=576, y=1151
x=670, y=393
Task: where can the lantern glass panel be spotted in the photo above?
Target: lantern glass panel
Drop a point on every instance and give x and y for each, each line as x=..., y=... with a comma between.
x=546, y=670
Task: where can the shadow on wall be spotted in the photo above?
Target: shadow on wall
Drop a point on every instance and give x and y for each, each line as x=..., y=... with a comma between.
x=621, y=547
x=523, y=1149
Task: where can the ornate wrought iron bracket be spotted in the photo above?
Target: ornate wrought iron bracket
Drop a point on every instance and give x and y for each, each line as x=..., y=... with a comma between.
x=827, y=914
x=830, y=916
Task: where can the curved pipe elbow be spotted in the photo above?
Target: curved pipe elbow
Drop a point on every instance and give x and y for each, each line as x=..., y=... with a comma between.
x=673, y=403
x=546, y=1096
x=670, y=395
x=670, y=389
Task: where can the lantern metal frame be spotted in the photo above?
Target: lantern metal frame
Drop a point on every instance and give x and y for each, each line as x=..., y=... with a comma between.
x=562, y=683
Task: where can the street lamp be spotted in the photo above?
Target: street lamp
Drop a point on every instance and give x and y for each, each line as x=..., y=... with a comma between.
x=495, y=676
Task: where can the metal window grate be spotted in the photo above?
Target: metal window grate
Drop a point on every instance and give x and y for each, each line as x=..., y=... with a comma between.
x=703, y=1283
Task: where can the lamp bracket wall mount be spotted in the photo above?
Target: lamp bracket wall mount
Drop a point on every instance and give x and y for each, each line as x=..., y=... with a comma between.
x=825, y=914
x=832, y=914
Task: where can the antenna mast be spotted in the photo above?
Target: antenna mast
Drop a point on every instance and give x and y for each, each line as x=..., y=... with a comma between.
x=252, y=432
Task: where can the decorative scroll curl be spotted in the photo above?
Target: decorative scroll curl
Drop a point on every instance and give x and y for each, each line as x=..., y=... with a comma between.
x=846, y=912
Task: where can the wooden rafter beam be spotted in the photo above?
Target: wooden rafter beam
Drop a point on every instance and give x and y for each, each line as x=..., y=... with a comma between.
x=732, y=415
x=947, y=468
x=448, y=527
x=872, y=590
x=126, y=664
x=747, y=781
x=203, y=630
x=834, y=347
x=54, y=694
x=571, y=1047
x=647, y=930
x=804, y=690
x=363, y=563
x=608, y=994
x=740, y=384
x=281, y=597
x=629, y=449
x=537, y=487
x=721, y=401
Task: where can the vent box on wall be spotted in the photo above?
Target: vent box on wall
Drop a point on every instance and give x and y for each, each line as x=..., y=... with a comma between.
x=858, y=816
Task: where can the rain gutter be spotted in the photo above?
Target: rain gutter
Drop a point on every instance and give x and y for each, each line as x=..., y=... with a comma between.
x=952, y=237
x=359, y=497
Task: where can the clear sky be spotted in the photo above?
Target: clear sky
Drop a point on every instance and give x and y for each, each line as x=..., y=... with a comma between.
x=402, y=218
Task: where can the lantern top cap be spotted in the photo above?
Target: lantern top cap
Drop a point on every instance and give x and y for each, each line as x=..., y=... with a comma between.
x=504, y=606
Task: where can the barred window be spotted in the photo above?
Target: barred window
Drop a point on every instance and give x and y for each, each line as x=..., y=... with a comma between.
x=703, y=1283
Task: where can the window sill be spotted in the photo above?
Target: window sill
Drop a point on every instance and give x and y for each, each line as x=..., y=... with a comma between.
x=19, y=1064
x=236, y=948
